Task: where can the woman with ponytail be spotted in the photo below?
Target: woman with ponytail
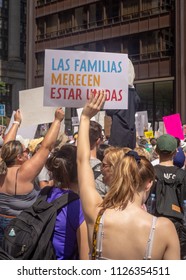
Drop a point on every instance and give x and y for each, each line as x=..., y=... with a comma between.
x=118, y=226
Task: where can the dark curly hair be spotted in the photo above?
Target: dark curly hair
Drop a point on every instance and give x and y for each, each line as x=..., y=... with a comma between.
x=62, y=165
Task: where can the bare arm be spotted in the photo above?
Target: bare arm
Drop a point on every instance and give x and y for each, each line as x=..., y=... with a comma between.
x=89, y=196
x=82, y=239
x=172, y=251
x=33, y=166
x=11, y=135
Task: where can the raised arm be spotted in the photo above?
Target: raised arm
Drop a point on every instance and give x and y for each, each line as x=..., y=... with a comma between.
x=11, y=135
x=88, y=194
x=33, y=166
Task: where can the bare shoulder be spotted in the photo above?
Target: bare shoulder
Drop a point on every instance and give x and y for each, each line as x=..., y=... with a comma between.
x=165, y=225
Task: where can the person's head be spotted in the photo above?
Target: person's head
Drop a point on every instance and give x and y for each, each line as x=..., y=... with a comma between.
x=62, y=165
x=178, y=141
x=166, y=146
x=35, y=144
x=61, y=140
x=95, y=134
x=142, y=142
x=13, y=152
x=153, y=141
x=143, y=152
x=101, y=149
x=133, y=176
x=111, y=156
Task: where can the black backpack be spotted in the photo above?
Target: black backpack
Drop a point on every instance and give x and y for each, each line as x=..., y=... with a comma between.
x=4, y=255
x=28, y=236
x=169, y=194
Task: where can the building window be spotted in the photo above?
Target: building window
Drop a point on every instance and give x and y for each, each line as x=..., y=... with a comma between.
x=95, y=14
x=80, y=18
x=150, y=45
x=51, y=25
x=156, y=99
x=163, y=97
x=40, y=64
x=3, y=29
x=112, y=11
x=130, y=9
x=6, y=97
x=167, y=39
x=23, y=31
x=40, y=28
x=65, y=22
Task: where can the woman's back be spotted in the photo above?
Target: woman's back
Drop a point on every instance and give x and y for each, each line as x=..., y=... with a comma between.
x=18, y=171
x=127, y=226
x=126, y=234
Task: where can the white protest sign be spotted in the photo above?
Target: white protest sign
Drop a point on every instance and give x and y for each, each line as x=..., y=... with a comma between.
x=141, y=122
x=145, y=118
x=79, y=111
x=71, y=76
x=26, y=132
x=75, y=121
x=32, y=110
x=161, y=129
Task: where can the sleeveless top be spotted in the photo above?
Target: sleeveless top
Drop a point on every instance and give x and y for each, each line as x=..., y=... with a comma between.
x=99, y=233
x=13, y=205
x=68, y=220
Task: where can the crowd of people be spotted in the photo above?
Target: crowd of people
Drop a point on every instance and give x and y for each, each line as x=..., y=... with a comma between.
x=114, y=182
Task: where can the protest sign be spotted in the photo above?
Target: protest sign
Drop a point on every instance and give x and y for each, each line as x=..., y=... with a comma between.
x=161, y=129
x=70, y=77
x=25, y=131
x=79, y=111
x=149, y=134
x=141, y=122
x=2, y=110
x=32, y=109
x=173, y=125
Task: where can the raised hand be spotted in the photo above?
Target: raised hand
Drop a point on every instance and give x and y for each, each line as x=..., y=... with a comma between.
x=17, y=116
x=94, y=105
x=59, y=114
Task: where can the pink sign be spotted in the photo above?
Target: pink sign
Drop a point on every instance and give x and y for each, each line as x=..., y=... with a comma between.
x=173, y=126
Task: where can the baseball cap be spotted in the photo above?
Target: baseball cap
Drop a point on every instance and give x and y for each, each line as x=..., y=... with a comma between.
x=33, y=143
x=166, y=143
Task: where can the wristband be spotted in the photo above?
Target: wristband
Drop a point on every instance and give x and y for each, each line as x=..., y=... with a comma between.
x=16, y=122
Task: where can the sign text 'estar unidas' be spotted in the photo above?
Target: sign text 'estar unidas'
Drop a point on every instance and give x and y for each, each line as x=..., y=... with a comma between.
x=72, y=76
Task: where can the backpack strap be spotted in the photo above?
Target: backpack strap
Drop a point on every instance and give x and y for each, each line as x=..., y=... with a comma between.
x=180, y=175
x=45, y=191
x=64, y=199
x=59, y=202
x=96, y=254
x=16, y=181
